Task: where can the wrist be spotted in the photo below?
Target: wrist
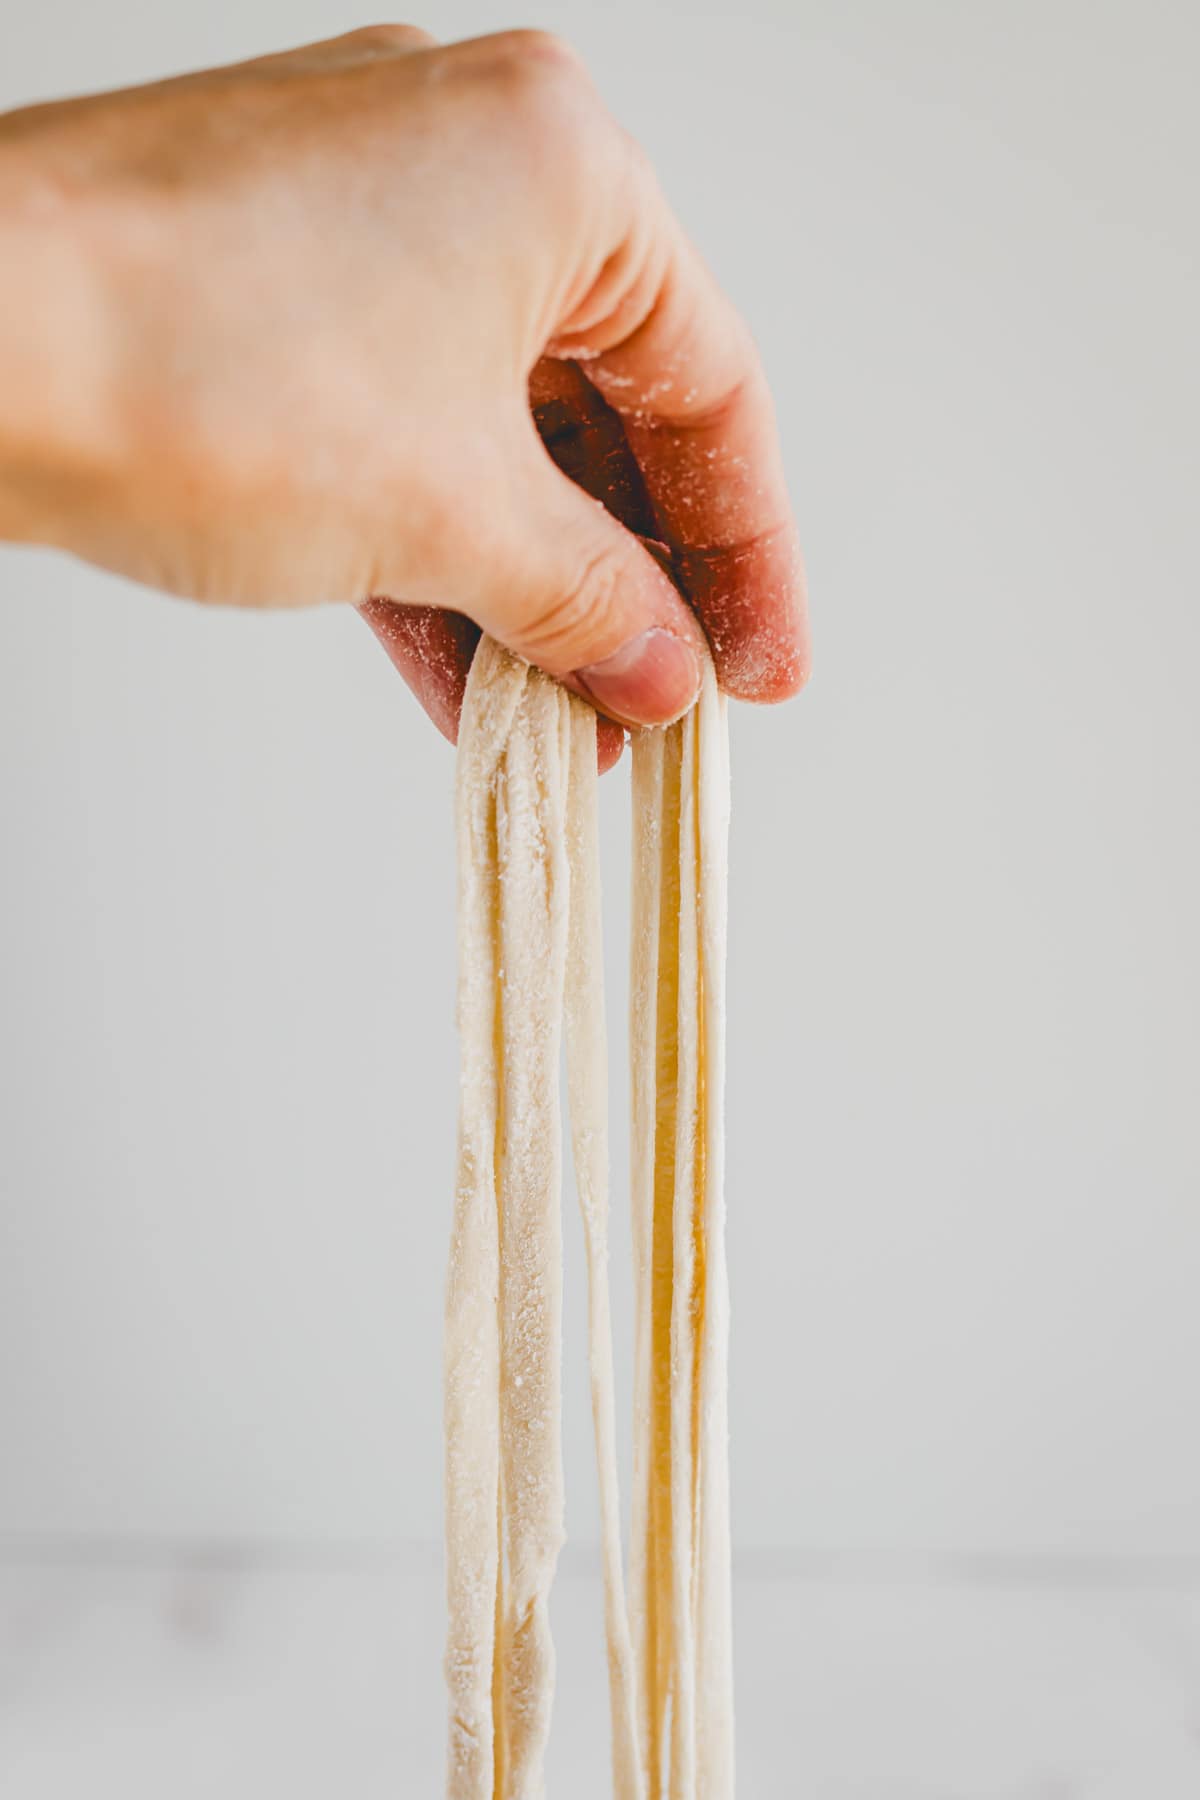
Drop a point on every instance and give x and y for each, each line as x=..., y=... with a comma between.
x=56, y=437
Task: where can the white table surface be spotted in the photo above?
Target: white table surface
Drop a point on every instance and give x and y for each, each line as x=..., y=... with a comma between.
x=189, y=1675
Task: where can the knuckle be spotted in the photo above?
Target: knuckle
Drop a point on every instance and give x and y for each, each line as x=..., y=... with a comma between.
x=376, y=33
x=539, y=54
x=388, y=36
x=547, y=86
x=529, y=95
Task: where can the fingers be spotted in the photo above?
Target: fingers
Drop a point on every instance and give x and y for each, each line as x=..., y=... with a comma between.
x=433, y=649
x=610, y=743
x=690, y=391
x=563, y=584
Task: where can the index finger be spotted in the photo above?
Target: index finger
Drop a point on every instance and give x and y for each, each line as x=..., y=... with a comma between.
x=692, y=394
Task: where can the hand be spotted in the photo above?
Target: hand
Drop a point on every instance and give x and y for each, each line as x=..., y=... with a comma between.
x=381, y=318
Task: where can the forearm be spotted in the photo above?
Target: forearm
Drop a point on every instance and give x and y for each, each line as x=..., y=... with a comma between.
x=53, y=436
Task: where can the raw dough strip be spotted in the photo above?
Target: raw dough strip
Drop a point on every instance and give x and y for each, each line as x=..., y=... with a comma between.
x=504, y=1489
x=713, y=1539
x=654, y=916
x=472, y=1332
x=686, y=1216
x=681, y=1576
x=587, y=1087
x=530, y=947
x=533, y=890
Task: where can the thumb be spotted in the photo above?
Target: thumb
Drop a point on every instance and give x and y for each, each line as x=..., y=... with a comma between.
x=570, y=589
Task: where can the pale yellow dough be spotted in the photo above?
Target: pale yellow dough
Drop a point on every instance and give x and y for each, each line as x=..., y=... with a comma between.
x=530, y=961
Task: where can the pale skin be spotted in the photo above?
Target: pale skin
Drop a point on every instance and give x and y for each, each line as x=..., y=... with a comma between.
x=401, y=326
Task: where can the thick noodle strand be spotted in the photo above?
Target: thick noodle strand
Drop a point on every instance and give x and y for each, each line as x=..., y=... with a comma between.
x=587, y=1086
x=530, y=961
x=680, y=1589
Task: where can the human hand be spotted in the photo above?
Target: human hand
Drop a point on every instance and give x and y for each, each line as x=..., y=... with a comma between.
x=381, y=318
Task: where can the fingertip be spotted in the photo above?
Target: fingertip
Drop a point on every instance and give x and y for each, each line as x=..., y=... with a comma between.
x=763, y=673
x=432, y=650
x=650, y=680
x=610, y=744
x=655, y=675
x=753, y=600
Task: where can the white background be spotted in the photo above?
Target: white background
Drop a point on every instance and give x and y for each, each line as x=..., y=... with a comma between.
x=965, y=1171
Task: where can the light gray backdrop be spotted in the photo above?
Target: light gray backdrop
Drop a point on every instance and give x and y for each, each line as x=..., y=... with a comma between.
x=965, y=979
